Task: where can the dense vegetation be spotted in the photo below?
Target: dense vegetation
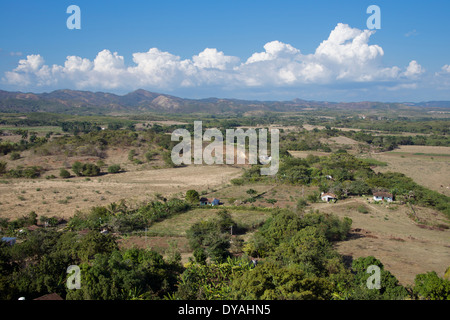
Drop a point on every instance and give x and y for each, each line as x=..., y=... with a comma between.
x=119, y=217
x=295, y=260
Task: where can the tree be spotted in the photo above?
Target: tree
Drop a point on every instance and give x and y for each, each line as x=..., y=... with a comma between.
x=271, y=281
x=431, y=287
x=77, y=168
x=212, y=281
x=192, y=196
x=390, y=287
x=94, y=243
x=309, y=249
x=212, y=236
x=133, y=274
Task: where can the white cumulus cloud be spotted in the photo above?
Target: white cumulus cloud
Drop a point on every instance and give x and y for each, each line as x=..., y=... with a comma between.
x=345, y=57
x=213, y=59
x=446, y=68
x=413, y=70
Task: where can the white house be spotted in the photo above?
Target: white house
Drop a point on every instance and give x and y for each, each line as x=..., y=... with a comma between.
x=210, y=202
x=383, y=196
x=327, y=197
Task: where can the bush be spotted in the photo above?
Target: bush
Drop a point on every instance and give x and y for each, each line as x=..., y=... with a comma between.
x=3, y=165
x=212, y=236
x=301, y=204
x=131, y=154
x=314, y=197
x=237, y=181
x=29, y=173
x=362, y=209
x=192, y=196
x=85, y=170
x=90, y=170
x=115, y=168
x=63, y=173
x=149, y=155
x=431, y=286
x=15, y=156
x=77, y=168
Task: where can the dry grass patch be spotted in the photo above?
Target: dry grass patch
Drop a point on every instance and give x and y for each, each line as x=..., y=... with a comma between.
x=52, y=197
x=428, y=166
x=404, y=247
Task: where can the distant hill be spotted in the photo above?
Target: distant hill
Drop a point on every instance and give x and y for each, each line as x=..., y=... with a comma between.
x=88, y=103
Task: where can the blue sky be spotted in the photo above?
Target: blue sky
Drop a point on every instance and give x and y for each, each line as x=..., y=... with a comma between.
x=316, y=50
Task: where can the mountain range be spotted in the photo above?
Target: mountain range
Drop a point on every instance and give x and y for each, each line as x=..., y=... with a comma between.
x=139, y=101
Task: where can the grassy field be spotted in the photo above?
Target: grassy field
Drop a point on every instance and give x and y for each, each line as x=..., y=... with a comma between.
x=404, y=246
x=40, y=129
x=428, y=166
x=304, y=154
x=61, y=198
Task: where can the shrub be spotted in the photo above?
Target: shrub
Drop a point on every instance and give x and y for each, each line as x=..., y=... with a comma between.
x=63, y=173
x=3, y=165
x=77, y=168
x=86, y=170
x=237, y=181
x=212, y=236
x=301, y=204
x=362, y=209
x=90, y=170
x=15, y=156
x=131, y=154
x=115, y=168
x=314, y=197
x=29, y=173
x=149, y=155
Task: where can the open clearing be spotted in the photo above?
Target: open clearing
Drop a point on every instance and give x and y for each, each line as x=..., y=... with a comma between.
x=61, y=198
x=179, y=224
x=162, y=234
x=389, y=234
x=428, y=166
x=304, y=154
